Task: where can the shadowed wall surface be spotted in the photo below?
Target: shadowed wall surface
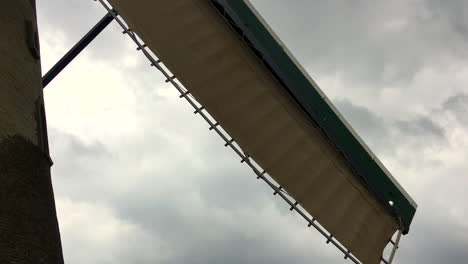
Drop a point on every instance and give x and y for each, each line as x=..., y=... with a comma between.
x=28, y=223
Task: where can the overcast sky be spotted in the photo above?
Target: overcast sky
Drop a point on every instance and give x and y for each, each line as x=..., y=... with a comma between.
x=139, y=178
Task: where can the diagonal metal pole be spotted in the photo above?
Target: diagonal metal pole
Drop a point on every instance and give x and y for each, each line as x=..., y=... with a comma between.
x=80, y=46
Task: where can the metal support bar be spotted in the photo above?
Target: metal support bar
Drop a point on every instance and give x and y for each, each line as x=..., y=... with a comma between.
x=245, y=158
x=198, y=110
x=157, y=62
x=214, y=125
x=170, y=78
x=229, y=142
x=184, y=94
x=277, y=190
x=261, y=174
x=347, y=255
x=80, y=46
x=294, y=206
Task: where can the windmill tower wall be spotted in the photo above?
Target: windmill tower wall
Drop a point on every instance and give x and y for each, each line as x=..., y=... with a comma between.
x=29, y=230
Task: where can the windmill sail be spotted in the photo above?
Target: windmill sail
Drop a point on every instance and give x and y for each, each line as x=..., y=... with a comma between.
x=228, y=58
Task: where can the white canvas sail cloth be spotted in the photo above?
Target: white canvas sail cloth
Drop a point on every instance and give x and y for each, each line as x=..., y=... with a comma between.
x=223, y=74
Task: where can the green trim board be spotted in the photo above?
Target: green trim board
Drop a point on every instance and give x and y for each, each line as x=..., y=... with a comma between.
x=274, y=55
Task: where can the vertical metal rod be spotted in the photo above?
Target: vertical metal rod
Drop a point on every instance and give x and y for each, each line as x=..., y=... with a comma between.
x=80, y=46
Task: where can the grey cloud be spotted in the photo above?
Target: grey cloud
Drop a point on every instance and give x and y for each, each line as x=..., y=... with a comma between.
x=372, y=129
x=458, y=106
x=385, y=135
x=209, y=218
x=366, y=42
x=208, y=239
x=70, y=16
x=73, y=19
x=455, y=12
x=439, y=239
x=421, y=127
x=77, y=176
